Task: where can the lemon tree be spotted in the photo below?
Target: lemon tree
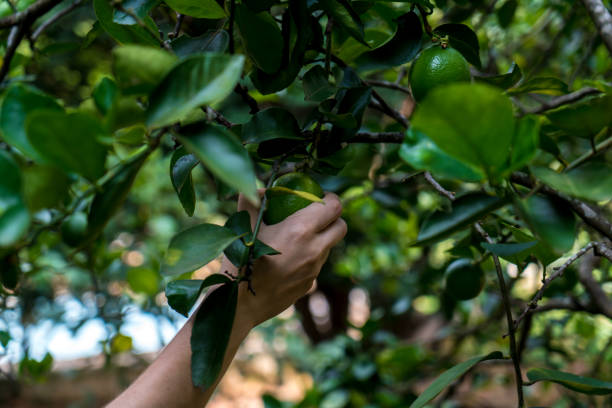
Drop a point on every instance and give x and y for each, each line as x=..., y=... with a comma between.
x=469, y=142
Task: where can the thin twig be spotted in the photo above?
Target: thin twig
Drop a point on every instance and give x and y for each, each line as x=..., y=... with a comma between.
x=448, y=194
x=564, y=100
x=30, y=14
x=118, y=6
x=390, y=85
x=248, y=99
x=380, y=137
x=177, y=27
x=55, y=18
x=599, y=297
x=328, y=44
x=13, y=41
x=599, y=148
x=506, y=301
x=218, y=117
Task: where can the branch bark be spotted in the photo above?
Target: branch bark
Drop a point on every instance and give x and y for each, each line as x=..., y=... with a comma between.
x=28, y=15
x=564, y=99
x=390, y=85
x=593, y=288
x=602, y=19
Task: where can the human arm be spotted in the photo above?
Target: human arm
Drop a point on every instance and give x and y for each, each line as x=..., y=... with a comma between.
x=304, y=240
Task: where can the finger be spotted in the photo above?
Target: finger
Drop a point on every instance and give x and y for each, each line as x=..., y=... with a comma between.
x=333, y=234
x=246, y=205
x=320, y=215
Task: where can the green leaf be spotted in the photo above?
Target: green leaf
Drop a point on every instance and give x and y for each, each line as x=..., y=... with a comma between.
x=197, y=8
x=210, y=41
x=465, y=210
x=69, y=141
x=195, y=247
x=44, y=186
x=237, y=252
x=591, y=180
x=316, y=85
x=182, y=294
x=5, y=337
x=196, y=81
x=584, y=118
x=422, y=153
x=105, y=94
x=585, y=385
x=543, y=85
x=220, y=151
x=540, y=251
x=505, y=13
x=400, y=49
x=551, y=220
x=515, y=253
x=261, y=38
x=343, y=14
x=463, y=39
x=524, y=143
x=19, y=101
x=271, y=123
x=143, y=280
x=449, y=376
x=211, y=332
x=139, y=7
x=181, y=165
x=122, y=33
x=504, y=81
x=138, y=69
x=112, y=194
x=473, y=123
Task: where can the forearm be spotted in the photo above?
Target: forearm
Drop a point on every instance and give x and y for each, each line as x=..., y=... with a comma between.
x=167, y=381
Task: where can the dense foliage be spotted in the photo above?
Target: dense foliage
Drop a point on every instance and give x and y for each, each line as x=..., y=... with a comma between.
x=128, y=127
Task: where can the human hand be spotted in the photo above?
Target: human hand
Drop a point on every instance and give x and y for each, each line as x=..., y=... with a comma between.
x=304, y=240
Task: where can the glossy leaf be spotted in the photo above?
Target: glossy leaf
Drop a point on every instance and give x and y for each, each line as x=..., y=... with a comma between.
x=143, y=280
x=220, y=151
x=463, y=39
x=343, y=14
x=181, y=165
x=400, y=49
x=69, y=141
x=133, y=76
x=316, y=85
x=540, y=251
x=122, y=33
x=504, y=81
x=195, y=247
x=505, y=13
x=271, y=123
x=182, y=294
x=473, y=123
x=551, y=220
x=14, y=216
x=584, y=118
x=261, y=38
x=465, y=210
x=105, y=94
x=140, y=8
x=210, y=41
x=19, y=101
x=591, y=180
x=515, y=253
x=113, y=192
x=524, y=143
x=211, y=332
x=449, y=376
x=196, y=81
x=197, y=8
x=237, y=252
x=542, y=85
x=585, y=385
x=422, y=153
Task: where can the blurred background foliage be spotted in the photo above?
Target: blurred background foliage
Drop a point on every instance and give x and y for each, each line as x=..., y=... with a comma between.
x=377, y=326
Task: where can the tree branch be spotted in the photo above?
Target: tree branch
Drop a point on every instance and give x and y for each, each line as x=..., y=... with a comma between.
x=585, y=276
x=381, y=137
x=589, y=215
x=177, y=27
x=600, y=148
x=30, y=14
x=55, y=18
x=448, y=194
x=13, y=41
x=602, y=19
x=511, y=330
x=390, y=85
x=564, y=99
x=385, y=108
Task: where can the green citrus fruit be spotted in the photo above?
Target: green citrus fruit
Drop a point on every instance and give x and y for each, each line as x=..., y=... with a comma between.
x=463, y=280
x=437, y=66
x=10, y=272
x=280, y=204
x=74, y=229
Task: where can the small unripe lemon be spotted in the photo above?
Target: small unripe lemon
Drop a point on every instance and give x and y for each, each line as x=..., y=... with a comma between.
x=463, y=280
x=281, y=204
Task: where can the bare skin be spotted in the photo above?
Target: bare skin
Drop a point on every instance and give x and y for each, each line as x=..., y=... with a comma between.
x=304, y=240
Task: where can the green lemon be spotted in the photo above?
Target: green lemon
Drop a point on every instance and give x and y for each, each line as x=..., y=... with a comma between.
x=280, y=205
x=463, y=280
x=437, y=66
x=74, y=229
